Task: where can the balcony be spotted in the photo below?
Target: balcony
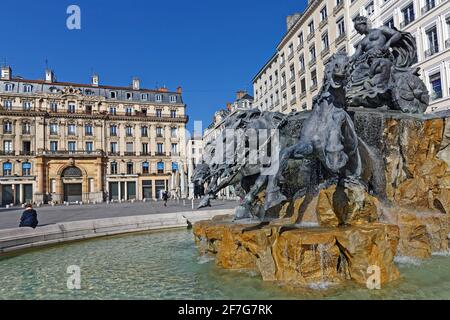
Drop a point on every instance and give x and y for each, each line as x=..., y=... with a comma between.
x=283, y=86
x=323, y=23
x=284, y=107
x=313, y=87
x=404, y=23
x=300, y=47
x=341, y=38
x=291, y=56
x=430, y=52
x=160, y=154
x=301, y=72
x=338, y=7
x=7, y=153
x=277, y=102
x=146, y=153
x=292, y=80
x=303, y=95
x=26, y=153
x=311, y=35
x=427, y=8
x=282, y=64
x=72, y=152
x=312, y=62
x=7, y=132
x=293, y=101
x=130, y=154
x=447, y=43
x=175, y=154
x=325, y=52
x=26, y=132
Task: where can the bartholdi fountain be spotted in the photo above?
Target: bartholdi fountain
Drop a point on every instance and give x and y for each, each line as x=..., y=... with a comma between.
x=361, y=179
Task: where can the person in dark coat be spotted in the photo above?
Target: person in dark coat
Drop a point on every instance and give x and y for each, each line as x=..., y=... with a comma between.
x=165, y=198
x=29, y=218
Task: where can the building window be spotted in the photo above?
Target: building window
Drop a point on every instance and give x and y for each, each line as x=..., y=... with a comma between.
x=113, y=168
x=129, y=96
x=27, y=88
x=9, y=87
x=323, y=14
x=53, y=146
x=8, y=147
x=144, y=131
x=113, y=146
x=113, y=130
x=130, y=168
x=7, y=127
x=300, y=39
x=341, y=27
x=429, y=4
x=292, y=72
x=302, y=62
x=436, y=86
x=72, y=129
x=129, y=111
x=145, y=149
x=408, y=14
x=325, y=42
x=53, y=107
x=71, y=107
x=113, y=95
x=303, y=85
x=26, y=169
x=129, y=131
x=314, y=78
x=174, y=132
x=159, y=148
x=159, y=113
x=7, y=104
x=112, y=111
x=173, y=113
x=89, y=147
x=159, y=132
x=158, y=98
x=433, y=43
x=174, y=149
x=144, y=97
x=72, y=146
x=7, y=169
x=173, y=99
x=311, y=27
x=160, y=167
x=370, y=8
x=27, y=105
x=312, y=53
x=145, y=168
x=129, y=148
x=390, y=23
x=88, y=129
x=26, y=128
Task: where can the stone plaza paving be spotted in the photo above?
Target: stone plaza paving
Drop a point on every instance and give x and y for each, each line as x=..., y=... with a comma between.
x=9, y=218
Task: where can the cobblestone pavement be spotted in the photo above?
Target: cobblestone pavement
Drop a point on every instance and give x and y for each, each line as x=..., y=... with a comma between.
x=9, y=218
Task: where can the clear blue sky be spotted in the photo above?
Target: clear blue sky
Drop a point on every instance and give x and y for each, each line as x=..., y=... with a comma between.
x=211, y=48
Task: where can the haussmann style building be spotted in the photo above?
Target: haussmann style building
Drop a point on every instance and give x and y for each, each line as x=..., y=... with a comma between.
x=293, y=75
x=68, y=142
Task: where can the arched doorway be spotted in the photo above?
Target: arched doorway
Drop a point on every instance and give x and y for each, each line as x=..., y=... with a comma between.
x=73, y=184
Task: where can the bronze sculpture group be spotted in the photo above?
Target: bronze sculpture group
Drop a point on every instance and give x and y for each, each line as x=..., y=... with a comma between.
x=323, y=148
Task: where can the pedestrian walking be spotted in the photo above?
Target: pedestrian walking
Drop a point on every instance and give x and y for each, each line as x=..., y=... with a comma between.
x=165, y=198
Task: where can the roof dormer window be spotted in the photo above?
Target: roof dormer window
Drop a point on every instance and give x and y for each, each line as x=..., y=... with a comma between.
x=27, y=88
x=129, y=96
x=113, y=95
x=173, y=99
x=158, y=98
x=9, y=87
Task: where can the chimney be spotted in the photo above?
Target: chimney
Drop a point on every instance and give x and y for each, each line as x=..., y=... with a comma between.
x=49, y=76
x=95, y=80
x=292, y=19
x=240, y=94
x=229, y=106
x=6, y=73
x=163, y=89
x=180, y=90
x=136, y=84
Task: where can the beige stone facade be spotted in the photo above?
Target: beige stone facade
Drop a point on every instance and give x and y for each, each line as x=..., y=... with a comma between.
x=66, y=142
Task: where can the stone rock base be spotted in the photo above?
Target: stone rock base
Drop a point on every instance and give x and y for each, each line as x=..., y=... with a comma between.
x=302, y=256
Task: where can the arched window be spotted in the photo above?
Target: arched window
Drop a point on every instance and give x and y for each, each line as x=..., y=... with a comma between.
x=72, y=172
x=9, y=87
x=7, y=169
x=145, y=167
x=26, y=169
x=160, y=167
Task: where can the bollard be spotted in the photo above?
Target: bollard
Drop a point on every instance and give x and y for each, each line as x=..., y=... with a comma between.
x=192, y=203
x=184, y=202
